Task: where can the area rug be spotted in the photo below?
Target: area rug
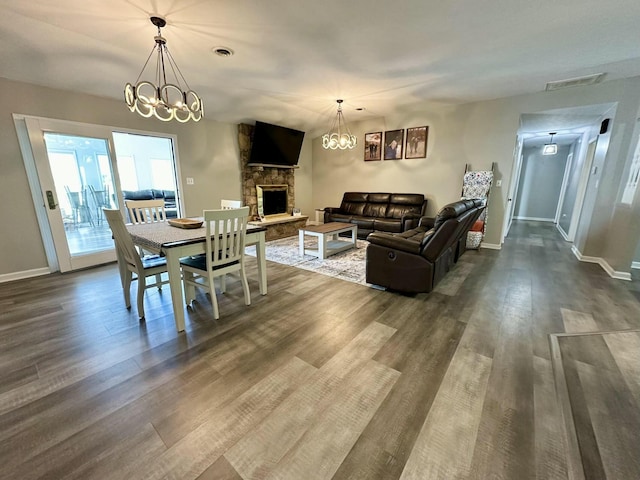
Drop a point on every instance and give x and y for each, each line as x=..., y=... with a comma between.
x=348, y=265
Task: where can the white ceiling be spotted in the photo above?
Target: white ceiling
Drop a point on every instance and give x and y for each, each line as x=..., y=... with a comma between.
x=294, y=58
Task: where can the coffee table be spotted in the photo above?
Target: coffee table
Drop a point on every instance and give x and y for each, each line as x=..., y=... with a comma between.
x=328, y=241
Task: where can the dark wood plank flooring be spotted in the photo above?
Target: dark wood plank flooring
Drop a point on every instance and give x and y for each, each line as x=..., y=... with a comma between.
x=326, y=379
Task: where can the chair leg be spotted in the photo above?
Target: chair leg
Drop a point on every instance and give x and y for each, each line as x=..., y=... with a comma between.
x=223, y=284
x=189, y=289
x=126, y=288
x=141, y=289
x=245, y=286
x=158, y=280
x=214, y=299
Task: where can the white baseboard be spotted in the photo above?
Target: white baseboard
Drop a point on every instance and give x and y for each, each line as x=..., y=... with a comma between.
x=536, y=219
x=491, y=246
x=635, y=264
x=603, y=263
x=36, y=272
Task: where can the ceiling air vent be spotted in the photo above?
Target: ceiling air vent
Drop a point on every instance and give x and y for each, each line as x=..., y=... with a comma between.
x=575, y=82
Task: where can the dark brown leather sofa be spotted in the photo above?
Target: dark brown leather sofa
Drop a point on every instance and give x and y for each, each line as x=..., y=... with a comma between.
x=169, y=197
x=382, y=212
x=416, y=260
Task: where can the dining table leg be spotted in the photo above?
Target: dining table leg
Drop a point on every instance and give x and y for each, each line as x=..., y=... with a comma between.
x=175, y=285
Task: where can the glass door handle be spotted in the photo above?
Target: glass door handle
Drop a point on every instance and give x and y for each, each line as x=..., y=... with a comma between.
x=50, y=200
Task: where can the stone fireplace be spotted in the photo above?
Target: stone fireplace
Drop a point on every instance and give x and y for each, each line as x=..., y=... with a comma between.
x=271, y=180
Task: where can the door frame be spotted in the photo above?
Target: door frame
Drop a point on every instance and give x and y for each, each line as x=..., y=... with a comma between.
x=513, y=187
x=37, y=194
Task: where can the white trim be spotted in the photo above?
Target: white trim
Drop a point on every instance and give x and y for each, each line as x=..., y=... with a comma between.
x=536, y=219
x=565, y=181
x=36, y=192
x=562, y=232
x=635, y=264
x=603, y=263
x=36, y=272
x=491, y=246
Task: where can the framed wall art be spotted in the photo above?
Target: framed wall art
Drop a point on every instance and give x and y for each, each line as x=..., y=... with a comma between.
x=372, y=146
x=393, y=142
x=416, y=142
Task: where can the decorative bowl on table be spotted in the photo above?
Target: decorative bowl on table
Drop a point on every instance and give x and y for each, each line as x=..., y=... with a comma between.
x=185, y=223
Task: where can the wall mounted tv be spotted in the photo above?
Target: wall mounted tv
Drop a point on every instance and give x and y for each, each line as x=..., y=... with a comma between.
x=275, y=145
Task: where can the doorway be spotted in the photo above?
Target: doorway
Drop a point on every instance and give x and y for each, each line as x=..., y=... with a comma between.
x=576, y=128
x=75, y=170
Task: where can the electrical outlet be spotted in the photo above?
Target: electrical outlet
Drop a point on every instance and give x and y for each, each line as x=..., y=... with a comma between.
x=189, y=180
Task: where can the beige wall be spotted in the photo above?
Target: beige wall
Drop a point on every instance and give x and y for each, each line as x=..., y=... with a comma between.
x=207, y=151
x=479, y=134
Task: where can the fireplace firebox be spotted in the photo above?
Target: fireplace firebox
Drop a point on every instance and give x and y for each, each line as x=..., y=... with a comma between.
x=272, y=200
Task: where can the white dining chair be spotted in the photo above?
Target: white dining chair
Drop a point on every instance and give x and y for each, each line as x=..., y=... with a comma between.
x=227, y=204
x=143, y=267
x=146, y=211
x=225, y=235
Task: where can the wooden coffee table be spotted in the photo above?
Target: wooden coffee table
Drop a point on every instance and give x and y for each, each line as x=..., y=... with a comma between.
x=328, y=241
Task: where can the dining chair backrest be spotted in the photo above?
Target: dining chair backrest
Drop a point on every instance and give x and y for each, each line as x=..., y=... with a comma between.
x=226, y=230
x=227, y=204
x=123, y=240
x=146, y=211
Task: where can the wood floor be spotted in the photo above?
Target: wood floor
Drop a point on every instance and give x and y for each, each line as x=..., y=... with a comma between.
x=326, y=379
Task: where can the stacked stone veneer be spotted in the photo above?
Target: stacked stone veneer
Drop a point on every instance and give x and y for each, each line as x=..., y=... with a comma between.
x=252, y=176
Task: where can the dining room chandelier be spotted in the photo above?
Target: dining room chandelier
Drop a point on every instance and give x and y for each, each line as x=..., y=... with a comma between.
x=160, y=98
x=550, y=148
x=339, y=135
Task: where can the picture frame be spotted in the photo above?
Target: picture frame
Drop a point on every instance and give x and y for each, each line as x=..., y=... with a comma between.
x=416, y=142
x=372, y=146
x=393, y=144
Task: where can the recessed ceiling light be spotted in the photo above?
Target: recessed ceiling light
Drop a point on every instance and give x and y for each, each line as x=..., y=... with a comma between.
x=222, y=51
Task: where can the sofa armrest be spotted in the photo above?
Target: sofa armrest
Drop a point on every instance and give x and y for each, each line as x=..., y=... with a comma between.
x=332, y=210
x=428, y=222
x=409, y=221
x=395, y=242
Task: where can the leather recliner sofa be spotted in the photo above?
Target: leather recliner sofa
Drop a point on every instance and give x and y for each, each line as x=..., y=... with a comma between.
x=169, y=197
x=416, y=260
x=382, y=212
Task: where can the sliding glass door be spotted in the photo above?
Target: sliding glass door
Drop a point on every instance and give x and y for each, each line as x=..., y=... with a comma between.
x=76, y=176
x=79, y=174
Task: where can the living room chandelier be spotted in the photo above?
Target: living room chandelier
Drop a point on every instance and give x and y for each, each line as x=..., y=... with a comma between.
x=550, y=148
x=339, y=135
x=164, y=100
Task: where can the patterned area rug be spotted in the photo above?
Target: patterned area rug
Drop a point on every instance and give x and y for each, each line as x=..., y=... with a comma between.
x=348, y=265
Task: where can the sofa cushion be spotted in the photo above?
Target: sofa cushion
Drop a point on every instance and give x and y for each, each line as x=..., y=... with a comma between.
x=401, y=204
x=451, y=210
x=341, y=217
x=375, y=210
x=353, y=203
x=387, y=225
x=364, y=223
x=137, y=194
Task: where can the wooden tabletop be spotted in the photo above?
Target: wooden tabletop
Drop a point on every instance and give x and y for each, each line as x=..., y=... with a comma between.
x=329, y=227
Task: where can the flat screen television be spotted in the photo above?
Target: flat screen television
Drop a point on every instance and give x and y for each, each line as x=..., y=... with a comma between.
x=275, y=145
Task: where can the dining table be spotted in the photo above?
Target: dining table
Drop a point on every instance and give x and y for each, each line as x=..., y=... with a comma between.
x=174, y=243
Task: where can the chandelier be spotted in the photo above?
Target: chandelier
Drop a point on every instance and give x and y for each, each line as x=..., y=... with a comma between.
x=550, y=148
x=339, y=135
x=164, y=100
